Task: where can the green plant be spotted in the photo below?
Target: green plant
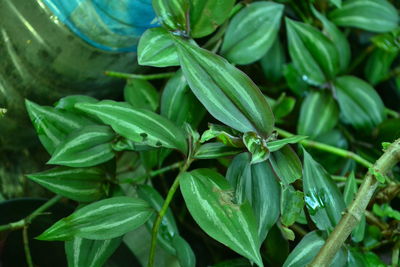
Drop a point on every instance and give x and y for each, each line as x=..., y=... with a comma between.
x=241, y=179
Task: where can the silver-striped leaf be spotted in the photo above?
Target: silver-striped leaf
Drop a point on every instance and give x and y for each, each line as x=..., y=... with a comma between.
x=215, y=150
x=286, y=164
x=157, y=49
x=104, y=219
x=251, y=32
x=359, y=103
x=227, y=93
x=378, y=65
x=278, y=144
x=210, y=200
x=90, y=253
x=79, y=184
x=172, y=13
x=370, y=15
x=319, y=114
x=141, y=94
x=257, y=184
x=85, y=147
x=138, y=125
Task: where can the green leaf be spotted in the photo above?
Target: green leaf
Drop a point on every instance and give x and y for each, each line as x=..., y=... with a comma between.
x=273, y=61
x=257, y=184
x=53, y=125
x=68, y=103
x=359, y=103
x=292, y=203
x=378, y=65
x=356, y=259
x=350, y=191
x=104, y=219
x=337, y=3
x=207, y=15
x=286, y=164
x=308, y=248
x=322, y=196
x=90, y=253
x=276, y=248
x=215, y=150
x=313, y=54
x=79, y=184
x=224, y=134
x=178, y=102
x=319, y=114
x=338, y=38
x=184, y=252
x=210, y=200
x=387, y=41
x=85, y=147
x=294, y=80
x=283, y=106
x=370, y=15
x=386, y=211
x=278, y=144
x=172, y=13
x=157, y=49
x=141, y=94
x=138, y=125
x=251, y=32
x=226, y=92
x=257, y=146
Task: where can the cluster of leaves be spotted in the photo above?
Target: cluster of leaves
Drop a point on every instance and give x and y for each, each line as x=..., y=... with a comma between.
x=109, y=150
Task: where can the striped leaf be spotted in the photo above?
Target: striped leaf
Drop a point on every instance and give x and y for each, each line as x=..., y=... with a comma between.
x=338, y=38
x=207, y=15
x=278, y=144
x=138, y=125
x=319, y=114
x=256, y=146
x=286, y=164
x=226, y=92
x=378, y=65
x=157, y=49
x=257, y=184
x=215, y=150
x=53, y=125
x=273, y=61
x=210, y=200
x=90, y=253
x=322, y=196
x=313, y=54
x=359, y=103
x=86, y=147
x=252, y=32
x=292, y=204
x=68, y=103
x=337, y=3
x=223, y=134
x=101, y=220
x=79, y=184
x=141, y=94
x=307, y=249
x=179, y=104
x=370, y=15
x=294, y=80
x=172, y=13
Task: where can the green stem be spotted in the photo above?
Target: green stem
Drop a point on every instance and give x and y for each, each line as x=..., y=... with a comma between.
x=25, y=240
x=361, y=57
x=344, y=179
x=327, y=148
x=356, y=210
x=152, y=173
x=162, y=212
x=395, y=254
x=26, y=221
x=392, y=113
x=139, y=76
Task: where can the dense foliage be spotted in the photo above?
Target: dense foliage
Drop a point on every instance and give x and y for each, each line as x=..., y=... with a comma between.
x=267, y=115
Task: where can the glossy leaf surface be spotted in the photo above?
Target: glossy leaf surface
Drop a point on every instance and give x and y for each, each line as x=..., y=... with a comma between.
x=322, y=196
x=210, y=200
x=86, y=147
x=252, y=32
x=256, y=146
x=138, y=125
x=359, y=103
x=286, y=164
x=141, y=94
x=227, y=93
x=370, y=15
x=104, y=219
x=215, y=150
x=157, y=49
x=172, y=13
x=80, y=184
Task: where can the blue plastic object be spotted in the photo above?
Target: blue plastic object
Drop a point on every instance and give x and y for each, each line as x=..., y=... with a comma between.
x=112, y=25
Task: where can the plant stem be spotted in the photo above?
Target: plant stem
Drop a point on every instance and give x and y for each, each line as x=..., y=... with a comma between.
x=162, y=212
x=344, y=179
x=357, y=208
x=139, y=76
x=26, y=221
x=395, y=254
x=152, y=173
x=361, y=57
x=392, y=113
x=25, y=240
x=327, y=148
